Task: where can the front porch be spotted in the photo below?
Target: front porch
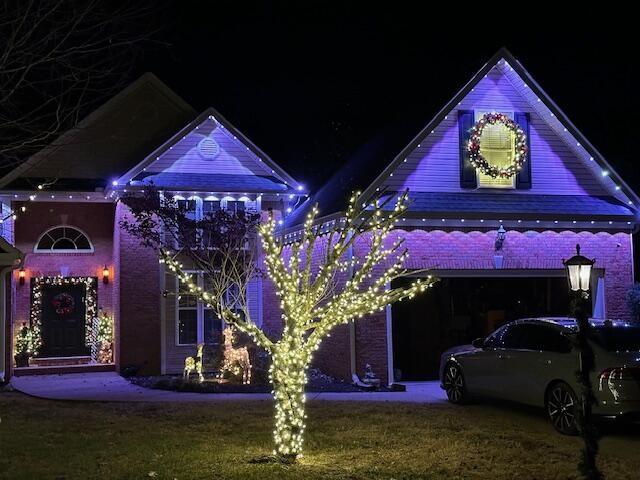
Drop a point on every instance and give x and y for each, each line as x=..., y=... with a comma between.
x=63, y=365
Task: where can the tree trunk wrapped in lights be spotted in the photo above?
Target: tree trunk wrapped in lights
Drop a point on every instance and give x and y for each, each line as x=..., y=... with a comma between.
x=314, y=299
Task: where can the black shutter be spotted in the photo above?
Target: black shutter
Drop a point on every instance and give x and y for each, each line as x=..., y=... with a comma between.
x=468, y=176
x=523, y=178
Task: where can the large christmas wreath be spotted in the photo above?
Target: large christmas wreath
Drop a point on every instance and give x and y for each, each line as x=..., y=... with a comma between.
x=481, y=163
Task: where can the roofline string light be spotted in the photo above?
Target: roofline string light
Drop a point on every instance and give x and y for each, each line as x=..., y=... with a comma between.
x=604, y=171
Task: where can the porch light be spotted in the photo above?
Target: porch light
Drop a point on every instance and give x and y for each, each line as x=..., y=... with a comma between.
x=21, y=275
x=579, y=271
x=105, y=275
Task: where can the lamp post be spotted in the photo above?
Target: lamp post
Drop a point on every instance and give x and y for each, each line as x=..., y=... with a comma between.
x=578, y=270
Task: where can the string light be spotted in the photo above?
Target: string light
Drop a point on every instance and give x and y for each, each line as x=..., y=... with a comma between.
x=235, y=360
x=315, y=298
x=36, y=305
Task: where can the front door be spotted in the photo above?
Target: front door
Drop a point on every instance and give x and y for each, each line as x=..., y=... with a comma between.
x=63, y=320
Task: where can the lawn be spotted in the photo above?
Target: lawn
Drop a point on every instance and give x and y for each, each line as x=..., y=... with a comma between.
x=42, y=439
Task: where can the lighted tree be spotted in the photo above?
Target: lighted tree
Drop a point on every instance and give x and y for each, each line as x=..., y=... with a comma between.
x=320, y=285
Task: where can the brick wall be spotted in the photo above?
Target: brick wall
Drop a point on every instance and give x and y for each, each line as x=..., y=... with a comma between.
x=95, y=220
x=473, y=250
x=139, y=307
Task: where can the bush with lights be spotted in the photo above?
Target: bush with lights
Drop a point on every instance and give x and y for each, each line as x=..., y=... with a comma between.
x=320, y=285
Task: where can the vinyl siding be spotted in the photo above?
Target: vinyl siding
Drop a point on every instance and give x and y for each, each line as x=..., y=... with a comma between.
x=555, y=167
x=175, y=354
x=233, y=157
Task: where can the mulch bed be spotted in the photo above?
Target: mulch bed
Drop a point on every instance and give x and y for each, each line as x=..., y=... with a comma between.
x=317, y=383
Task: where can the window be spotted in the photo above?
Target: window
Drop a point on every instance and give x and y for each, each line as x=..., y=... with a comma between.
x=498, y=147
x=195, y=322
x=529, y=336
x=235, y=206
x=618, y=338
x=63, y=239
x=187, y=318
x=543, y=338
x=505, y=337
x=210, y=206
x=189, y=206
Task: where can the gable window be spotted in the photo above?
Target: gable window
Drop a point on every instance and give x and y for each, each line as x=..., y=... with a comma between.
x=195, y=321
x=498, y=147
x=63, y=239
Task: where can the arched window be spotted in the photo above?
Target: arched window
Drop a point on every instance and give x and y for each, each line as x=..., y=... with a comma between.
x=63, y=239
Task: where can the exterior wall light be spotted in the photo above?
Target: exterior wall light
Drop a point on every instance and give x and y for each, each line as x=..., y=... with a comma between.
x=500, y=238
x=22, y=274
x=105, y=275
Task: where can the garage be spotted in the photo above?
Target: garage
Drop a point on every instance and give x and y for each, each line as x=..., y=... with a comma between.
x=459, y=309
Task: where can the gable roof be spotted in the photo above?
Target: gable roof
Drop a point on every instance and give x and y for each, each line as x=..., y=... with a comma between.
x=584, y=150
x=107, y=142
x=266, y=175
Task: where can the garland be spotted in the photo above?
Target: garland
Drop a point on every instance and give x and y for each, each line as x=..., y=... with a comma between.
x=481, y=163
x=36, y=305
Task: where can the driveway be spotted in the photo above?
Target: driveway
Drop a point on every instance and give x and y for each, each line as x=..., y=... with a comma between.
x=111, y=387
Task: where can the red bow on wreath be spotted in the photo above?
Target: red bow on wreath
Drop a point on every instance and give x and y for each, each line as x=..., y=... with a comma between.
x=63, y=303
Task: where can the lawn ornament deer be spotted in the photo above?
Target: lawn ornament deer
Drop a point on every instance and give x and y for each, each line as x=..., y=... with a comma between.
x=235, y=360
x=194, y=363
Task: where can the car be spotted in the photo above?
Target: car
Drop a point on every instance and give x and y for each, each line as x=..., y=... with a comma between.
x=533, y=361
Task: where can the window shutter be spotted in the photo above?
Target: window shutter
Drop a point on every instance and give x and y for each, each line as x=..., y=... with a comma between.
x=523, y=178
x=468, y=176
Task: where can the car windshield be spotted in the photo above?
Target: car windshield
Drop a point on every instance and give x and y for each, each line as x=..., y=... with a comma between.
x=618, y=338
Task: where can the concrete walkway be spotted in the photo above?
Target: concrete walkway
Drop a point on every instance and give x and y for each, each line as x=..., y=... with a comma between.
x=111, y=387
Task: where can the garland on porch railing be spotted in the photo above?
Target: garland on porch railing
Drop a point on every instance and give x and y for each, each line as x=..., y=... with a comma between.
x=91, y=308
x=481, y=163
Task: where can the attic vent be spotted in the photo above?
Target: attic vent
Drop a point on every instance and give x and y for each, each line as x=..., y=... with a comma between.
x=208, y=148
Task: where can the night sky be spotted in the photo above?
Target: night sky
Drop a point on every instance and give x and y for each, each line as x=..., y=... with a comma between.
x=310, y=82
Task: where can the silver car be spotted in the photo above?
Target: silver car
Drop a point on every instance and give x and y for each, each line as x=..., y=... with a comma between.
x=532, y=361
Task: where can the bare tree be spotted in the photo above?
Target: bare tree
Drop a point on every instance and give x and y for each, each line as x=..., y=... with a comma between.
x=58, y=59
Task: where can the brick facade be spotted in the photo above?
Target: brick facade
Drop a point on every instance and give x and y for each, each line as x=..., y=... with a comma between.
x=459, y=251
x=134, y=304
x=95, y=220
x=139, y=317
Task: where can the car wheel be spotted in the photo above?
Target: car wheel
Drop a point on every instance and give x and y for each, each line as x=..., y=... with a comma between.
x=453, y=383
x=562, y=406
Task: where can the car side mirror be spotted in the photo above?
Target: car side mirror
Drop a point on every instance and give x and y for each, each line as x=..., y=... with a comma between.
x=478, y=343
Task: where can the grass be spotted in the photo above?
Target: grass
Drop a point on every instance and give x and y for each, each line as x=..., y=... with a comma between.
x=42, y=439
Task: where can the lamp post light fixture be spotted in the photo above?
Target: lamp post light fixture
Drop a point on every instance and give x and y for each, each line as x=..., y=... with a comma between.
x=578, y=270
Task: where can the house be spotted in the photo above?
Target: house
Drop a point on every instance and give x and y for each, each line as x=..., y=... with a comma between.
x=496, y=242
x=79, y=264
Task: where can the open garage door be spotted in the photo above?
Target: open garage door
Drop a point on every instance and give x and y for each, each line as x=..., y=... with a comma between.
x=459, y=309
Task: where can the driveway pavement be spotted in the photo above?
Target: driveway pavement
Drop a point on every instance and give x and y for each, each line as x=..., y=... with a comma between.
x=111, y=387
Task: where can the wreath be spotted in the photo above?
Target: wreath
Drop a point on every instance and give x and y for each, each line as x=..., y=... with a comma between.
x=481, y=163
x=63, y=303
